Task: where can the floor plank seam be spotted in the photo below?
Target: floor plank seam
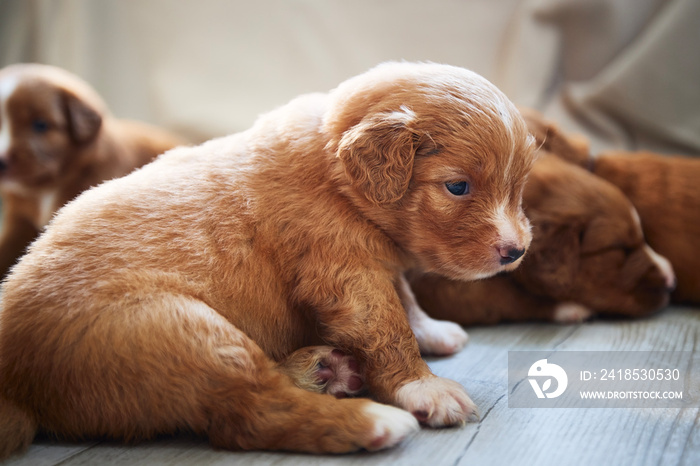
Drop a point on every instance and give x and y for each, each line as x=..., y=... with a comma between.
x=686, y=449
x=478, y=428
x=552, y=350
x=77, y=453
x=573, y=330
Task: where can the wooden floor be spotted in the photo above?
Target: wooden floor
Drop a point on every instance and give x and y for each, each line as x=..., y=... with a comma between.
x=504, y=436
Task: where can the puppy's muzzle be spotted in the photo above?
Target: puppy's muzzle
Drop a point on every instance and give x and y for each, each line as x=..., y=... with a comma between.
x=510, y=254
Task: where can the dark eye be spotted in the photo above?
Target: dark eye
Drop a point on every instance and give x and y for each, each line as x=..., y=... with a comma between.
x=40, y=126
x=458, y=188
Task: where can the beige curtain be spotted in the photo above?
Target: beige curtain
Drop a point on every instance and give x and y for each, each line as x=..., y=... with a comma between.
x=624, y=72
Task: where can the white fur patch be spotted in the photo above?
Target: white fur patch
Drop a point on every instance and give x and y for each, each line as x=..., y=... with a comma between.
x=567, y=313
x=391, y=425
x=47, y=204
x=504, y=225
x=663, y=264
x=7, y=87
x=635, y=217
x=405, y=116
x=508, y=124
x=438, y=337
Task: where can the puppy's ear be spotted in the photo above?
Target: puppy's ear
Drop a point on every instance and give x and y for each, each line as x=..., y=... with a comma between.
x=84, y=122
x=377, y=154
x=551, y=265
x=573, y=148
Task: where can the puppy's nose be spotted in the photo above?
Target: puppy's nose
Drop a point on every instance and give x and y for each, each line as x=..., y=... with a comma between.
x=510, y=254
x=3, y=164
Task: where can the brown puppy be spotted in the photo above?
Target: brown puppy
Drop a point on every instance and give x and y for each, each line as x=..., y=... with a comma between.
x=666, y=193
x=56, y=140
x=664, y=190
x=159, y=301
x=588, y=256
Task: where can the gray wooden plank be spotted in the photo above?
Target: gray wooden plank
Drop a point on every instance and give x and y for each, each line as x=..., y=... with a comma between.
x=505, y=436
x=46, y=452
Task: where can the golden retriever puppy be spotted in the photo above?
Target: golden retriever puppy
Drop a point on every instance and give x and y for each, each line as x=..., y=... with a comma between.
x=161, y=301
x=588, y=256
x=57, y=139
x=663, y=189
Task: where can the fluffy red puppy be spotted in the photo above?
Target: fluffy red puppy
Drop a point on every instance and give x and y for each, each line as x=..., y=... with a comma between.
x=666, y=193
x=664, y=190
x=161, y=301
x=57, y=139
x=588, y=256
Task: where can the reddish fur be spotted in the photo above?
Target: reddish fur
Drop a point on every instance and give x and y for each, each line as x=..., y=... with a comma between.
x=586, y=249
x=160, y=300
x=666, y=193
x=83, y=147
x=663, y=189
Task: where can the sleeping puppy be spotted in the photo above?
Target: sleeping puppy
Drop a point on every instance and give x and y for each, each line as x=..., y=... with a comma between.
x=588, y=256
x=162, y=301
x=56, y=140
x=666, y=193
x=663, y=189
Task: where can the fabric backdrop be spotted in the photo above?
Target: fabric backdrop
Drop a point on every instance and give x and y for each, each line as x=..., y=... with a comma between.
x=624, y=72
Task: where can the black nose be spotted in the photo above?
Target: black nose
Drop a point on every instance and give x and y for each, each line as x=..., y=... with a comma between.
x=510, y=255
x=3, y=165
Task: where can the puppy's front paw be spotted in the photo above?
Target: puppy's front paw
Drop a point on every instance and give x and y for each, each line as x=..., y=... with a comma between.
x=439, y=337
x=437, y=402
x=571, y=313
x=324, y=369
x=391, y=425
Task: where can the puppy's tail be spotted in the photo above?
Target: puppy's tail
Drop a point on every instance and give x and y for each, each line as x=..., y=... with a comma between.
x=17, y=428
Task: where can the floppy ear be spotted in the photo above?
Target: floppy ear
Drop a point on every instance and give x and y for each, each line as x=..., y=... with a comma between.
x=84, y=122
x=377, y=154
x=551, y=265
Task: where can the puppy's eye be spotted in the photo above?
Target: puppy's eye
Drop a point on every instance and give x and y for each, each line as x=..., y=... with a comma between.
x=40, y=126
x=458, y=188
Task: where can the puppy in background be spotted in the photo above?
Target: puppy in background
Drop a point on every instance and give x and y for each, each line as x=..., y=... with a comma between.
x=57, y=139
x=163, y=300
x=588, y=256
x=664, y=190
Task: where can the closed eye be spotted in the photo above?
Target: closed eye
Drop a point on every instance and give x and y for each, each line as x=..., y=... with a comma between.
x=626, y=250
x=458, y=188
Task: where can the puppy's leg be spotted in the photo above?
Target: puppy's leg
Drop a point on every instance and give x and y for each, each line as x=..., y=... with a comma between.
x=482, y=302
x=138, y=366
x=435, y=337
x=323, y=369
x=369, y=321
x=16, y=234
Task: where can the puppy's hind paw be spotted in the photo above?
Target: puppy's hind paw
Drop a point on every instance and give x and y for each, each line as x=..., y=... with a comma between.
x=323, y=369
x=439, y=337
x=571, y=313
x=437, y=402
x=391, y=426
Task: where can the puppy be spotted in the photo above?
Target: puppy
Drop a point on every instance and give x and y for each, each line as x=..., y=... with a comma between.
x=56, y=140
x=666, y=193
x=162, y=300
x=588, y=256
x=663, y=189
